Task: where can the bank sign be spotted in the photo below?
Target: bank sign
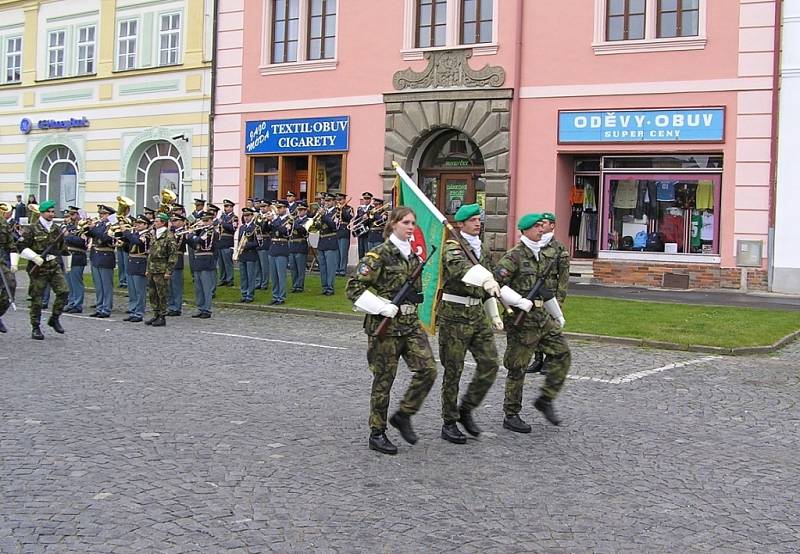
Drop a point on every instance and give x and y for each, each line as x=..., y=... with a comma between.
x=26, y=125
x=672, y=125
x=285, y=136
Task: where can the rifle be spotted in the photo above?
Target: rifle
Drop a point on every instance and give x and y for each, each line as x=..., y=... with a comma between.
x=405, y=291
x=537, y=287
x=47, y=250
x=5, y=281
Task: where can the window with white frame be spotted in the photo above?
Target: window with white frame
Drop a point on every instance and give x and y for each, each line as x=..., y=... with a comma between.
x=300, y=35
x=285, y=30
x=630, y=26
x=322, y=30
x=13, y=72
x=86, y=50
x=450, y=24
x=56, y=46
x=169, y=39
x=126, y=44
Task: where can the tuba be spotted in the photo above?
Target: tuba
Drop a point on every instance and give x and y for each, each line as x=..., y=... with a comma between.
x=124, y=205
x=34, y=211
x=168, y=198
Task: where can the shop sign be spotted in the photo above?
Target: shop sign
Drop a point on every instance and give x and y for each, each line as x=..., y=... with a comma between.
x=284, y=136
x=670, y=125
x=26, y=125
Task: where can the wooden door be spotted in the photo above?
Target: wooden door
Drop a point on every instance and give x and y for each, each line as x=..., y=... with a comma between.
x=455, y=190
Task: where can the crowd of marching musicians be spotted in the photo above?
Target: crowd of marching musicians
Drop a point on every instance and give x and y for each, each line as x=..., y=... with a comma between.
x=267, y=240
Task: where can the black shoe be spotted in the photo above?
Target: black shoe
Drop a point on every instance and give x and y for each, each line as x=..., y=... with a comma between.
x=243, y=300
x=55, y=324
x=151, y=320
x=403, y=424
x=204, y=316
x=545, y=405
x=128, y=311
x=135, y=319
x=543, y=370
x=95, y=314
x=36, y=334
x=469, y=425
x=379, y=442
x=2, y=327
x=198, y=314
x=159, y=322
x=130, y=317
x=515, y=423
x=536, y=364
x=451, y=433
x=274, y=302
x=173, y=313
x=103, y=316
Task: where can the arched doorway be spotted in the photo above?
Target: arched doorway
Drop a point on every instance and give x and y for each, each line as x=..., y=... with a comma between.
x=58, y=178
x=160, y=167
x=450, y=170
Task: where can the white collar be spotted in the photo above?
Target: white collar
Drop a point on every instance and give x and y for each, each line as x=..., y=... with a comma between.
x=534, y=246
x=46, y=224
x=403, y=245
x=545, y=240
x=474, y=243
x=160, y=231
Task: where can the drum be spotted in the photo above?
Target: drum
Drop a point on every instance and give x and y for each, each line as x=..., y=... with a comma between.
x=360, y=230
x=313, y=240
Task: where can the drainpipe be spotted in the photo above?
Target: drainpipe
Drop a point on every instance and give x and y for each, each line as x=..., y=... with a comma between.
x=213, y=101
x=773, y=149
x=515, y=109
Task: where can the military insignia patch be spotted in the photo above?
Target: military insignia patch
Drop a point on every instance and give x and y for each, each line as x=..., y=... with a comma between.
x=364, y=270
x=503, y=272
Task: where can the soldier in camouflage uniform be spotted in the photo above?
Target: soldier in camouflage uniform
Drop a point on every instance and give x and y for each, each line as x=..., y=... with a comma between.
x=385, y=269
x=463, y=325
x=160, y=261
x=557, y=280
x=45, y=268
x=518, y=270
x=8, y=260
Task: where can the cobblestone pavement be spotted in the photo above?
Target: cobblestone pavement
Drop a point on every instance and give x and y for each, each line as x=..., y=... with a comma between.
x=195, y=438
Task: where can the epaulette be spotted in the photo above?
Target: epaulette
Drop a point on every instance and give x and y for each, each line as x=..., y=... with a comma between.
x=373, y=255
x=451, y=241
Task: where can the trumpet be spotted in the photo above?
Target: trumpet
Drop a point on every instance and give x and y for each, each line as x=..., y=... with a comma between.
x=314, y=222
x=197, y=226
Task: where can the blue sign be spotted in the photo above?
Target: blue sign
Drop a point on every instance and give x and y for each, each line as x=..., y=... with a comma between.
x=677, y=125
x=26, y=125
x=284, y=136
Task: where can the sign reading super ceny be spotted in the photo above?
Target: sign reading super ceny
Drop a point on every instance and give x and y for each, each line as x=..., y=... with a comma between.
x=284, y=136
x=666, y=125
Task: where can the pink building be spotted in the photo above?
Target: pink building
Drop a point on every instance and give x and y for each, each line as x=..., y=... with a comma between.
x=646, y=126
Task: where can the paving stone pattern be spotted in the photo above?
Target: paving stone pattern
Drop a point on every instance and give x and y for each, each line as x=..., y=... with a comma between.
x=122, y=438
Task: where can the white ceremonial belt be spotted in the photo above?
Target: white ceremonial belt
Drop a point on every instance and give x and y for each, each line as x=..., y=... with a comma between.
x=465, y=300
x=407, y=309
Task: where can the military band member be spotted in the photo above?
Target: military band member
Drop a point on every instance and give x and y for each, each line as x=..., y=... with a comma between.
x=175, y=302
x=468, y=291
x=9, y=260
x=150, y=214
x=248, y=256
x=298, y=248
x=229, y=222
x=138, y=240
x=292, y=202
x=517, y=272
x=328, y=247
x=385, y=270
x=122, y=251
x=203, y=242
x=377, y=222
x=76, y=246
x=345, y=216
x=195, y=216
x=280, y=230
x=558, y=279
x=103, y=261
x=42, y=244
x=365, y=205
x=264, y=261
x=160, y=261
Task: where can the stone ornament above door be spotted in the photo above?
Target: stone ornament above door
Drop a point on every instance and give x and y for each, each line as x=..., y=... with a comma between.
x=449, y=69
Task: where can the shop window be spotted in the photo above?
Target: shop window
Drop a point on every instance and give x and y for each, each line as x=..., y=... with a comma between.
x=686, y=161
x=670, y=213
x=328, y=176
x=449, y=24
x=13, y=69
x=305, y=175
x=58, y=179
x=265, y=177
x=678, y=18
x=583, y=222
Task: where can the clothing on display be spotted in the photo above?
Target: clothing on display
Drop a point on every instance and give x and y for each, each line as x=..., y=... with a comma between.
x=665, y=191
x=626, y=194
x=704, y=197
x=707, y=229
x=583, y=217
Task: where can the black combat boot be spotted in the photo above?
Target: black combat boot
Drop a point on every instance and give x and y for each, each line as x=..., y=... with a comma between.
x=379, y=442
x=537, y=364
x=36, y=333
x=545, y=405
x=2, y=327
x=515, y=423
x=151, y=320
x=465, y=417
x=451, y=433
x=403, y=424
x=55, y=324
x=159, y=322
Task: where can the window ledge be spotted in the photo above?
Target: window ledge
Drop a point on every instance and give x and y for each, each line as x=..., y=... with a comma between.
x=477, y=50
x=299, y=67
x=648, y=45
x=635, y=256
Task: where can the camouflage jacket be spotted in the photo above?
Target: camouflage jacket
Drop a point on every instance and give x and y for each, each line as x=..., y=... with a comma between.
x=455, y=265
x=38, y=239
x=7, y=241
x=519, y=269
x=163, y=254
x=558, y=278
x=385, y=271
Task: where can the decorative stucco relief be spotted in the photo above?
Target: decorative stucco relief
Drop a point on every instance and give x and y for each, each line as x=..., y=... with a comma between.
x=449, y=69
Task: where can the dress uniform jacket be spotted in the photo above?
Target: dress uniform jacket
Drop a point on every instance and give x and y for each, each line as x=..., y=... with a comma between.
x=376, y=228
x=247, y=233
x=180, y=244
x=279, y=244
x=229, y=224
x=138, y=247
x=298, y=242
x=76, y=245
x=342, y=232
x=102, y=254
x=266, y=231
x=204, y=246
x=328, y=239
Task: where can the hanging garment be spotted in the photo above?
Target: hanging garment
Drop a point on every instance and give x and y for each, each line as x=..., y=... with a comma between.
x=577, y=195
x=671, y=229
x=589, y=198
x=626, y=194
x=583, y=240
x=591, y=227
x=665, y=191
x=707, y=229
x=704, y=198
x=575, y=221
x=697, y=224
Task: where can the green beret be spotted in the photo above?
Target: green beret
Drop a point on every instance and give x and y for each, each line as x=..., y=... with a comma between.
x=529, y=220
x=549, y=216
x=163, y=217
x=46, y=205
x=466, y=211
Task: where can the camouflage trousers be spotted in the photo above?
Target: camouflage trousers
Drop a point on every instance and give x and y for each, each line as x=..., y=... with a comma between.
x=522, y=343
x=158, y=289
x=382, y=356
x=58, y=284
x=455, y=339
x=5, y=301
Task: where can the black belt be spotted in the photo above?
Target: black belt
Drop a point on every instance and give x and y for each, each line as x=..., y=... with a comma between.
x=327, y=235
x=103, y=249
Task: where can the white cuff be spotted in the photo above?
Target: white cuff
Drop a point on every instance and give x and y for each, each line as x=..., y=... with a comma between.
x=477, y=276
x=510, y=296
x=370, y=303
x=490, y=307
x=67, y=262
x=28, y=254
x=14, y=259
x=552, y=308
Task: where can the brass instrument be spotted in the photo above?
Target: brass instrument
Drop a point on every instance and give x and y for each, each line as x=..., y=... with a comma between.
x=196, y=226
x=314, y=222
x=35, y=213
x=168, y=198
x=124, y=205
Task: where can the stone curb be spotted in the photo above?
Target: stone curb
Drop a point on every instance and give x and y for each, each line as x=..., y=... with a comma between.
x=625, y=341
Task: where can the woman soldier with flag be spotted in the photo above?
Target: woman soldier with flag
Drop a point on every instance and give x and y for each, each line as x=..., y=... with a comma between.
x=386, y=269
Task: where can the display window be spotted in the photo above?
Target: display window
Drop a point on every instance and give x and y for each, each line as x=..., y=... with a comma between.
x=306, y=175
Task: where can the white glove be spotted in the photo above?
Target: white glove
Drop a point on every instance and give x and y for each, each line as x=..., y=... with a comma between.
x=490, y=307
x=525, y=305
x=562, y=322
x=389, y=310
x=492, y=287
x=513, y=298
x=50, y=258
x=37, y=259
x=14, y=262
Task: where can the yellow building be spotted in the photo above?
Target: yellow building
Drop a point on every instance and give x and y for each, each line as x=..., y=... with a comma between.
x=100, y=98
